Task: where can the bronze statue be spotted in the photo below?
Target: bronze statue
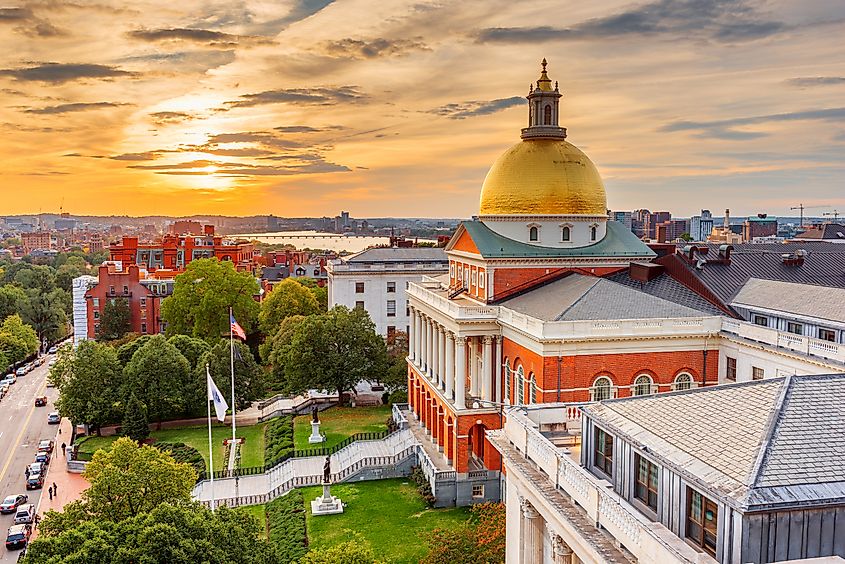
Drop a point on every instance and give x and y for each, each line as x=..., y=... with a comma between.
x=327, y=470
x=314, y=418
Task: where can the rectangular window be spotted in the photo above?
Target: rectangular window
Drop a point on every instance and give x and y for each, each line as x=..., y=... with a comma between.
x=96, y=314
x=126, y=289
x=359, y=305
x=391, y=331
x=391, y=287
x=702, y=521
x=645, y=481
x=481, y=276
x=474, y=278
x=144, y=328
x=761, y=321
x=756, y=373
x=391, y=308
x=96, y=328
x=730, y=371
x=796, y=328
x=604, y=451
x=478, y=491
x=111, y=289
x=96, y=302
x=827, y=335
x=407, y=309
x=451, y=270
x=143, y=313
x=359, y=287
x=143, y=302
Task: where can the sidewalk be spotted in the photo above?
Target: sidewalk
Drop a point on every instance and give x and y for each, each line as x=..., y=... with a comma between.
x=69, y=486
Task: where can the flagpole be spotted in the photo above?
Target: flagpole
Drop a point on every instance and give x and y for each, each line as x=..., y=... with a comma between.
x=232, y=365
x=210, y=444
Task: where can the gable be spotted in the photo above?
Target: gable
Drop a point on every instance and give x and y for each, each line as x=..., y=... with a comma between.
x=462, y=241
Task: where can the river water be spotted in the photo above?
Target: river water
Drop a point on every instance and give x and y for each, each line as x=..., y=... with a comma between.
x=317, y=240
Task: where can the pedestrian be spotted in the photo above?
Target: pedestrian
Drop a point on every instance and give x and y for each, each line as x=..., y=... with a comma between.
x=64, y=447
x=26, y=471
x=37, y=519
x=55, y=489
x=50, y=491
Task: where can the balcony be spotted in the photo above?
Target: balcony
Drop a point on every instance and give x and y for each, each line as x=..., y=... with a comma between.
x=797, y=343
x=532, y=434
x=432, y=293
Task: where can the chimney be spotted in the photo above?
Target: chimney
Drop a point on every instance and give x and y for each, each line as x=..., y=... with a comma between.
x=208, y=230
x=727, y=219
x=794, y=259
x=644, y=271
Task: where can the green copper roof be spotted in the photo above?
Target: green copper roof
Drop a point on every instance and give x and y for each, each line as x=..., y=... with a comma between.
x=619, y=242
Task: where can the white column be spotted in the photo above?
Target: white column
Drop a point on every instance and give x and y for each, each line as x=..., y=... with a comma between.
x=450, y=365
x=441, y=356
x=421, y=338
x=487, y=369
x=429, y=342
x=561, y=552
x=435, y=352
x=497, y=371
x=473, y=366
x=532, y=537
x=460, y=372
x=412, y=333
x=418, y=337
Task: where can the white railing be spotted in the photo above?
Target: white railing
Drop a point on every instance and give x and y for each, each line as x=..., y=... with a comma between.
x=453, y=309
x=783, y=340
x=607, y=329
x=645, y=539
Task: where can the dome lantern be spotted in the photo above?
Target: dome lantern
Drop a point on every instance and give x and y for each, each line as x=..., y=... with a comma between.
x=543, y=110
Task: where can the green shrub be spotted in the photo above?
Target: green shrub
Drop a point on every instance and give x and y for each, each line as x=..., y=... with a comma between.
x=423, y=485
x=286, y=526
x=278, y=439
x=183, y=453
x=399, y=396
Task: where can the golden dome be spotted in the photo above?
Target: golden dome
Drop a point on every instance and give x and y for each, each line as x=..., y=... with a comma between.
x=543, y=177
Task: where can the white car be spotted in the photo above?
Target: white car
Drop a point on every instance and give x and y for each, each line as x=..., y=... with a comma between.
x=8, y=379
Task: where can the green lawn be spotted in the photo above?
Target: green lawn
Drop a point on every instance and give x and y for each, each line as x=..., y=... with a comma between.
x=252, y=451
x=389, y=514
x=338, y=423
x=257, y=511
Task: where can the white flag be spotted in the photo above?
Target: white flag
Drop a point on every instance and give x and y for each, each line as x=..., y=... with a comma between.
x=220, y=405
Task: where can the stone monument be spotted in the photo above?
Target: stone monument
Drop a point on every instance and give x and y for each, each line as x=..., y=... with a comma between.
x=315, y=437
x=326, y=504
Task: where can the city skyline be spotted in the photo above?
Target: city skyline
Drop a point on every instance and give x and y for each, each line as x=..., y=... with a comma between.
x=300, y=109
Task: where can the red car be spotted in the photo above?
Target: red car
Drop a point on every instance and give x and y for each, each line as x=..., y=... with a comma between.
x=41, y=402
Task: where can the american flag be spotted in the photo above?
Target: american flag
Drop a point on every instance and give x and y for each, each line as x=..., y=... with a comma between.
x=237, y=330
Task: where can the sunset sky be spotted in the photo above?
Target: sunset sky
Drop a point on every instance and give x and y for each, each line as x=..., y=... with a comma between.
x=399, y=108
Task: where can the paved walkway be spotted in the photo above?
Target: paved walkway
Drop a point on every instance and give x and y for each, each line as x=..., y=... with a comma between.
x=69, y=486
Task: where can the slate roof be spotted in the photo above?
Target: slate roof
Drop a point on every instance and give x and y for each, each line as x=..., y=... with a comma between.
x=274, y=273
x=824, y=265
x=758, y=445
x=812, y=301
x=829, y=231
x=577, y=298
x=399, y=254
x=618, y=242
x=667, y=288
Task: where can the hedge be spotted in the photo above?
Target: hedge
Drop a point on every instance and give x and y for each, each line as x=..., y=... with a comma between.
x=278, y=439
x=286, y=526
x=183, y=453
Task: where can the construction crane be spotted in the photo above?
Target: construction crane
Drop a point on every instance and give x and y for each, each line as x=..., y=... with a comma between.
x=835, y=214
x=802, y=207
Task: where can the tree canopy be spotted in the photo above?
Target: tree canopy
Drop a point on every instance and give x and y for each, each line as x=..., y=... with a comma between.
x=115, y=320
x=481, y=540
x=287, y=298
x=89, y=381
x=202, y=296
x=190, y=347
x=249, y=378
x=17, y=340
x=159, y=375
x=334, y=351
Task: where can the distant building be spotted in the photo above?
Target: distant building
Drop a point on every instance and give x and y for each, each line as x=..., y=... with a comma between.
x=40, y=240
x=65, y=222
x=724, y=233
x=377, y=279
x=653, y=220
x=701, y=226
x=185, y=227
x=623, y=217
x=760, y=226
x=830, y=232
x=671, y=230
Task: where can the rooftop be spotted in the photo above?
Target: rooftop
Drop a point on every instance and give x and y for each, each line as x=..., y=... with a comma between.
x=827, y=231
x=398, y=254
x=764, y=444
x=799, y=299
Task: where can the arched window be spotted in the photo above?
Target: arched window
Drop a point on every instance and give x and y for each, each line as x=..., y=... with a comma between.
x=547, y=115
x=593, y=233
x=564, y=234
x=642, y=385
x=520, y=386
x=683, y=381
x=533, y=233
x=532, y=385
x=602, y=389
x=508, y=376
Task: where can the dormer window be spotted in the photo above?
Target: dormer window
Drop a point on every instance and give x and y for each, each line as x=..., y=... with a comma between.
x=565, y=234
x=593, y=230
x=533, y=234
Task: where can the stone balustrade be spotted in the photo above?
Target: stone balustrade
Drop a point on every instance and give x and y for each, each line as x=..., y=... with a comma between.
x=798, y=343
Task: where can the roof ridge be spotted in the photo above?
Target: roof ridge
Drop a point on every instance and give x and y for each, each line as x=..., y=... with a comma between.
x=653, y=296
x=775, y=417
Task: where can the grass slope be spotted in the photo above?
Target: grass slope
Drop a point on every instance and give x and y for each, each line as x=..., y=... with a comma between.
x=338, y=423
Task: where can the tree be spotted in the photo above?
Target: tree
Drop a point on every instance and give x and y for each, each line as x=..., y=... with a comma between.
x=126, y=351
x=396, y=376
x=17, y=340
x=116, y=319
x=353, y=551
x=287, y=298
x=190, y=347
x=249, y=378
x=47, y=313
x=479, y=541
x=273, y=352
x=334, y=351
x=89, y=382
x=135, y=423
x=686, y=237
x=73, y=267
x=12, y=300
x=320, y=292
x=159, y=375
x=172, y=533
x=202, y=296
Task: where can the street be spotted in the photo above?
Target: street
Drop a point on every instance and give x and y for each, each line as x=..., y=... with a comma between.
x=22, y=426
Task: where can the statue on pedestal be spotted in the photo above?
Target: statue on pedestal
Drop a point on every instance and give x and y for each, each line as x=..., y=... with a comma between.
x=314, y=417
x=327, y=470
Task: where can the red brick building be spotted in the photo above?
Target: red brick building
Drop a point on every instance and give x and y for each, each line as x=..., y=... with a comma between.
x=143, y=293
x=36, y=240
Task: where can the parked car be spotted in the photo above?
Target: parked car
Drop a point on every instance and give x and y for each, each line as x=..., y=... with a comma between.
x=25, y=514
x=35, y=481
x=42, y=456
x=11, y=503
x=35, y=468
x=53, y=350
x=46, y=444
x=20, y=371
x=8, y=379
x=18, y=536
x=53, y=418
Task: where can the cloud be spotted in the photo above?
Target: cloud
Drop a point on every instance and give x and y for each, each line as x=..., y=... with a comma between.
x=475, y=108
x=144, y=156
x=59, y=73
x=724, y=129
x=372, y=48
x=75, y=107
x=171, y=117
x=809, y=81
x=724, y=21
x=320, y=96
x=240, y=169
x=27, y=23
x=207, y=37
